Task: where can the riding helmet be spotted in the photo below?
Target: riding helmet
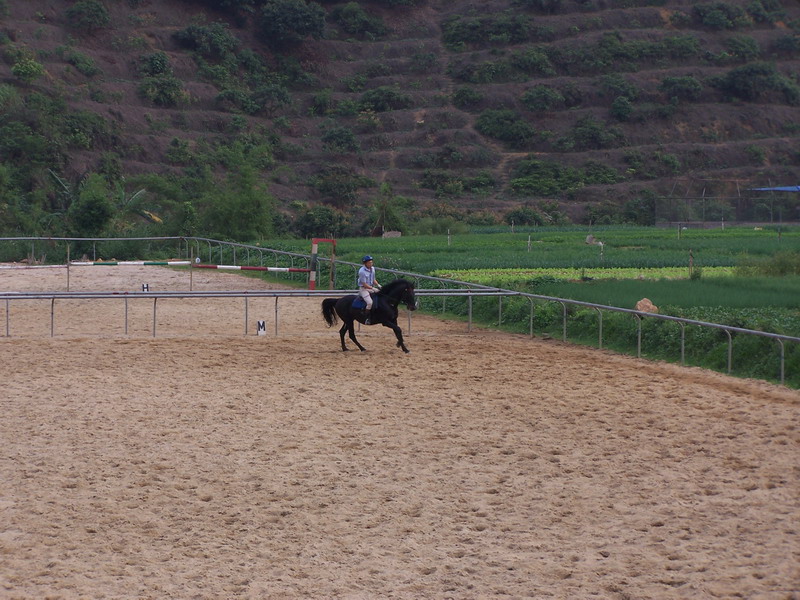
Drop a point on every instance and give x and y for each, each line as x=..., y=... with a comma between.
x=367, y=258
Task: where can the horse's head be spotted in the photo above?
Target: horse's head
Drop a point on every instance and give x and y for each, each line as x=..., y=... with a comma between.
x=400, y=291
x=409, y=298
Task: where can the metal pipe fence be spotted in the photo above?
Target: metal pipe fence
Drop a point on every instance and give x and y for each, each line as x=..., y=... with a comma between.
x=446, y=288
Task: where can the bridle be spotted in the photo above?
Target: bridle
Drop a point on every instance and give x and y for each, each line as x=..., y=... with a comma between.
x=408, y=297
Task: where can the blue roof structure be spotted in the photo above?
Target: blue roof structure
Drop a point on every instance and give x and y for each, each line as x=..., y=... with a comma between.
x=789, y=188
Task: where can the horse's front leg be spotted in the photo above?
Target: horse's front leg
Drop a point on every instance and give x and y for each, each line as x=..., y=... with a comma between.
x=399, y=333
x=351, y=328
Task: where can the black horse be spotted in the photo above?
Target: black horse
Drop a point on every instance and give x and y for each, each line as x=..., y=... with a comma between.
x=384, y=310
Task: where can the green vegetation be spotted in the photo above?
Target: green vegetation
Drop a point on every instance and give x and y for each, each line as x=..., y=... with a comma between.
x=507, y=126
x=287, y=22
x=353, y=19
x=86, y=16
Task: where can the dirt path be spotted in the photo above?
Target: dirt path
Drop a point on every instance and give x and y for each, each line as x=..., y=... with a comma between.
x=209, y=464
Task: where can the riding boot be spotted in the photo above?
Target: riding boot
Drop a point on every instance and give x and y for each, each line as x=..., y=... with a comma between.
x=368, y=320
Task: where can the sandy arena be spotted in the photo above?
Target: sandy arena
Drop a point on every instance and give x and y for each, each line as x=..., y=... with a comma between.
x=207, y=464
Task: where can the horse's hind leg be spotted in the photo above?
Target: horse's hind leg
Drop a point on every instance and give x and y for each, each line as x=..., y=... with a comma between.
x=352, y=330
x=341, y=335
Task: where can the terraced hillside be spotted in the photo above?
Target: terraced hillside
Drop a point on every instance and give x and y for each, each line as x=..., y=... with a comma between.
x=552, y=109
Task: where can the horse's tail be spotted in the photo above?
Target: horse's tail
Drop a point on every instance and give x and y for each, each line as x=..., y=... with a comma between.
x=329, y=311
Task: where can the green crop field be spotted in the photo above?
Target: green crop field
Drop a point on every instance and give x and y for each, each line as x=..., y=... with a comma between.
x=536, y=248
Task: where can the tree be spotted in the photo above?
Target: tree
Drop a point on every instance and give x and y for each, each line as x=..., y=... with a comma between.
x=321, y=221
x=287, y=22
x=92, y=210
x=385, y=211
x=239, y=209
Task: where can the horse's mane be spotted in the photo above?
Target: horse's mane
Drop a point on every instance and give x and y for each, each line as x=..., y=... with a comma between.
x=392, y=287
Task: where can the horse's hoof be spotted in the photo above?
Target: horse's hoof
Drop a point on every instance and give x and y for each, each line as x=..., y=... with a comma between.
x=406, y=350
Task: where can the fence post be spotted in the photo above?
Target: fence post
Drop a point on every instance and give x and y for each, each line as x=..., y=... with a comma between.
x=599, y=328
x=730, y=350
x=683, y=343
x=638, y=336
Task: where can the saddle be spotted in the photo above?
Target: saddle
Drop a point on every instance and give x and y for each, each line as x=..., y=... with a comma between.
x=359, y=302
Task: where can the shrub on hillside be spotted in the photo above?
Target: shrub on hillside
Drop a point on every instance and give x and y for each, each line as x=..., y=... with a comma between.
x=340, y=139
x=681, y=88
x=212, y=41
x=482, y=73
x=286, y=22
x=82, y=63
x=533, y=177
x=546, y=7
x=590, y=134
x=155, y=64
x=87, y=16
x=533, y=61
x=270, y=97
x=743, y=47
x=765, y=11
x=237, y=101
x=383, y=99
x=27, y=69
x=506, y=125
x=399, y=2
x=541, y=98
x=720, y=15
x=353, y=19
x=751, y=81
x=339, y=185
x=163, y=90
x=467, y=98
x=504, y=28
x=422, y=62
x=615, y=85
x=621, y=108
x=787, y=45
x=524, y=215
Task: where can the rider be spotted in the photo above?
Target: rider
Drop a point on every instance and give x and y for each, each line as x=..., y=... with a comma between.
x=366, y=284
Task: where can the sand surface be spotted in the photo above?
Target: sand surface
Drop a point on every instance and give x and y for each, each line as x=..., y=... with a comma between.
x=206, y=463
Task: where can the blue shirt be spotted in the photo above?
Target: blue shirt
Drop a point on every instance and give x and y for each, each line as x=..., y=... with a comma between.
x=366, y=275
